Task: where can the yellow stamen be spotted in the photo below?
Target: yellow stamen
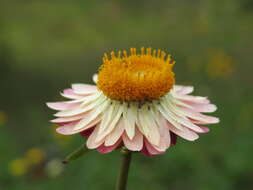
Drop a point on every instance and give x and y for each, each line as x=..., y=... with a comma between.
x=136, y=77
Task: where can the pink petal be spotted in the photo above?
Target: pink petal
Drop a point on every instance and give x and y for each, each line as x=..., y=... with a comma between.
x=173, y=137
x=59, y=106
x=136, y=144
x=87, y=132
x=186, y=133
x=114, y=136
x=185, y=90
x=68, y=119
x=106, y=149
x=187, y=123
x=192, y=99
x=84, y=89
x=200, y=117
x=69, y=93
x=205, y=108
x=164, y=135
x=66, y=123
x=205, y=130
x=146, y=152
x=69, y=129
x=151, y=149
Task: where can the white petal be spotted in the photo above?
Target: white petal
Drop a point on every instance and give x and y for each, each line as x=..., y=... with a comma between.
x=148, y=125
x=84, y=89
x=107, y=115
x=90, y=105
x=205, y=108
x=179, y=115
x=130, y=117
x=114, y=136
x=169, y=116
x=186, y=133
x=106, y=129
x=68, y=119
x=91, y=142
x=164, y=132
x=95, y=78
x=193, y=99
x=92, y=115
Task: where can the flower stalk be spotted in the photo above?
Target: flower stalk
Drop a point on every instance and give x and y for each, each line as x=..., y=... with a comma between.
x=124, y=169
x=80, y=151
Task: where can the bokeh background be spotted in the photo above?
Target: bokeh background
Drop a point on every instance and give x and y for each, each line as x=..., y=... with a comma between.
x=45, y=45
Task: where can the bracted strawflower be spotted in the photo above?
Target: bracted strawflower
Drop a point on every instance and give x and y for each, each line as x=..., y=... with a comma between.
x=135, y=104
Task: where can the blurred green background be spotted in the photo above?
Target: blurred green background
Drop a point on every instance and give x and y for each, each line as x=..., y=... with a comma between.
x=47, y=45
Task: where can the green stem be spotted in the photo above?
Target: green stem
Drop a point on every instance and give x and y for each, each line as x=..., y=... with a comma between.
x=124, y=168
x=80, y=151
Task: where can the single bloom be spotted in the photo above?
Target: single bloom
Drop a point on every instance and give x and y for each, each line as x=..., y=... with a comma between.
x=135, y=103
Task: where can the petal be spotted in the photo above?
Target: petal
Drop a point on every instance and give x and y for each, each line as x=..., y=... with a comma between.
x=116, y=115
x=91, y=142
x=204, y=129
x=68, y=119
x=87, y=132
x=134, y=144
x=164, y=133
x=147, y=125
x=200, y=117
x=173, y=137
x=91, y=103
x=130, y=117
x=169, y=117
x=205, y=108
x=185, y=90
x=95, y=78
x=178, y=115
x=69, y=93
x=84, y=89
x=186, y=133
x=145, y=151
x=114, y=136
x=61, y=105
x=151, y=149
x=69, y=129
x=191, y=99
x=91, y=116
x=106, y=149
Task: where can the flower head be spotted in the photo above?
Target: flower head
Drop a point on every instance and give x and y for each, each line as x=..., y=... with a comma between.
x=137, y=77
x=135, y=104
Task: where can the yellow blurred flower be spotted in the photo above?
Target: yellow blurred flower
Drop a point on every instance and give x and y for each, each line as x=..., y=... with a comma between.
x=220, y=65
x=3, y=117
x=18, y=167
x=34, y=156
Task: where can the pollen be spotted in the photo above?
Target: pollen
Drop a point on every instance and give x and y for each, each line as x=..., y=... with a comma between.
x=133, y=76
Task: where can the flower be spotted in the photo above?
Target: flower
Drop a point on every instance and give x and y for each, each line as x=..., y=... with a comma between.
x=18, y=167
x=220, y=65
x=35, y=156
x=54, y=168
x=135, y=104
x=3, y=117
